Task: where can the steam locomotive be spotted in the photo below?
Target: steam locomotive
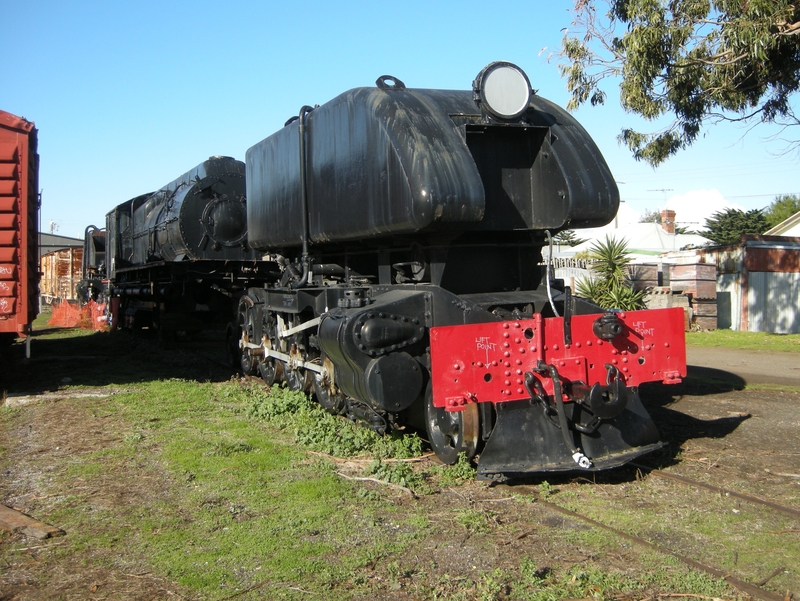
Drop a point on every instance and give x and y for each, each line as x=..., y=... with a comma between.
x=385, y=251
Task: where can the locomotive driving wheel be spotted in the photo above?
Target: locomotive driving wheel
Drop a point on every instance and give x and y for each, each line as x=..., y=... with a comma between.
x=270, y=369
x=327, y=393
x=298, y=378
x=249, y=328
x=452, y=432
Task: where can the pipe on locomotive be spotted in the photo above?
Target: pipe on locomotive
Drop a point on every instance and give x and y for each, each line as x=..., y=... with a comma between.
x=304, y=258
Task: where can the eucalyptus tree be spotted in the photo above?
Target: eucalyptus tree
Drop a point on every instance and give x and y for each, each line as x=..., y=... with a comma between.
x=695, y=61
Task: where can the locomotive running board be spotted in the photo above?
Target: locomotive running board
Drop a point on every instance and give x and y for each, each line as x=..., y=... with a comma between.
x=526, y=441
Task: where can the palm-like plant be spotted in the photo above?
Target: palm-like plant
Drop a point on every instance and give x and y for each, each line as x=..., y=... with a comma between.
x=611, y=288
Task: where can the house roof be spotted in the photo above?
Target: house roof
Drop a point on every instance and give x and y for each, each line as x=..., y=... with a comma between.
x=50, y=242
x=642, y=239
x=787, y=227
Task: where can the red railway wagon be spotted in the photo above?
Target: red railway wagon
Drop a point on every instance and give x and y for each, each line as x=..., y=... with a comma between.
x=19, y=210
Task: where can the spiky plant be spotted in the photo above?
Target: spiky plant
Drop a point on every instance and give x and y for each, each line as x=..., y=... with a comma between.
x=610, y=288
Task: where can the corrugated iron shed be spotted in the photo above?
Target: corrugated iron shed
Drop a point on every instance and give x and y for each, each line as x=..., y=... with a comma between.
x=758, y=287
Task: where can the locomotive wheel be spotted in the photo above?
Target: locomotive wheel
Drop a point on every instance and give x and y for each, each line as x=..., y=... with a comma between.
x=452, y=432
x=298, y=379
x=328, y=395
x=271, y=369
x=246, y=322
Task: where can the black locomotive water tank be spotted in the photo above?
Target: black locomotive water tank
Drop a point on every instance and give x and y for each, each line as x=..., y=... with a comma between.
x=389, y=161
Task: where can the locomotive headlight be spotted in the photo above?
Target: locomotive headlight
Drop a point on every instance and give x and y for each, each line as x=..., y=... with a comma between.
x=503, y=90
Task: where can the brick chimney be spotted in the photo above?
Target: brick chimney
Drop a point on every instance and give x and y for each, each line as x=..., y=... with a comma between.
x=668, y=221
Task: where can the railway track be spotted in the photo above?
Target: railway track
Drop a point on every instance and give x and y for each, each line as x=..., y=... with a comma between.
x=754, y=590
x=790, y=511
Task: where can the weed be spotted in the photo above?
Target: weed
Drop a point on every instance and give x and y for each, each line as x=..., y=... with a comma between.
x=399, y=473
x=454, y=475
x=369, y=495
x=474, y=520
x=134, y=437
x=226, y=449
x=491, y=586
x=318, y=430
x=545, y=490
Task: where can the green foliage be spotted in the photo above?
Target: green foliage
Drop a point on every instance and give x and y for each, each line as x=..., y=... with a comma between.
x=459, y=473
x=696, y=60
x=474, y=520
x=568, y=238
x=586, y=581
x=399, y=473
x=492, y=586
x=650, y=216
x=320, y=431
x=727, y=227
x=781, y=209
x=611, y=289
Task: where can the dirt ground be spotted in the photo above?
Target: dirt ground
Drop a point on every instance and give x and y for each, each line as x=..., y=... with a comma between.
x=741, y=439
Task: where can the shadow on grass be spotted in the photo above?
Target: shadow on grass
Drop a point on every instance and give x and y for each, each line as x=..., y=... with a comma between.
x=62, y=357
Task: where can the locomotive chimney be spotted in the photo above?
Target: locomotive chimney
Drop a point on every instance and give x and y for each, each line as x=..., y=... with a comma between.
x=668, y=221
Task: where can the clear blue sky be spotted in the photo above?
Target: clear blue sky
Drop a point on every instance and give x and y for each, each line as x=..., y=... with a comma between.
x=129, y=95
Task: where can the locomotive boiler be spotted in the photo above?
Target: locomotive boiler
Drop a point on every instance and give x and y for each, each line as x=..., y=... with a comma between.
x=177, y=258
x=402, y=231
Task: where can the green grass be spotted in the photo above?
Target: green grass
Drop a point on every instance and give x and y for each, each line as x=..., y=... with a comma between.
x=755, y=341
x=248, y=507
x=210, y=486
x=743, y=539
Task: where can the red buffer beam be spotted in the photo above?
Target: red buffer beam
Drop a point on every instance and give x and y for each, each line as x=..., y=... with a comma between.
x=487, y=362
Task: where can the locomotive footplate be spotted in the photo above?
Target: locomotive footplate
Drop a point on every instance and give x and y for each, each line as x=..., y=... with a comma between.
x=560, y=405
